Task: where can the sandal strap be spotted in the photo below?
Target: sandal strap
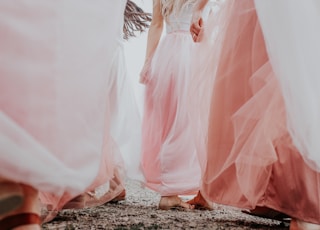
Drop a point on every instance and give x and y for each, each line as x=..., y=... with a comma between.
x=17, y=220
x=11, y=197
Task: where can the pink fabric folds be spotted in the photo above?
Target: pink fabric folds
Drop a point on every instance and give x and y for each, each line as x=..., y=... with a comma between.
x=169, y=158
x=292, y=43
x=250, y=159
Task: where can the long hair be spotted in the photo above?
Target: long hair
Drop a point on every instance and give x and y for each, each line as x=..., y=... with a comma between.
x=135, y=20
x=174, y=6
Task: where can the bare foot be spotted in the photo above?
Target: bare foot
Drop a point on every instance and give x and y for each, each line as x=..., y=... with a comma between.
x=301, y=225
x=169, y=202
x=200, y=203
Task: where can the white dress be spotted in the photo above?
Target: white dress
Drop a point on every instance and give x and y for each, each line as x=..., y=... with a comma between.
x=55, y=59
x=169, y=158
x=125, y=120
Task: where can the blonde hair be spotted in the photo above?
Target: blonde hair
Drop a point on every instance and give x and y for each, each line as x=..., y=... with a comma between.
x=174, y=6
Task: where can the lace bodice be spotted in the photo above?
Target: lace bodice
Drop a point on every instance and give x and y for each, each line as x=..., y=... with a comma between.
x=181, y=21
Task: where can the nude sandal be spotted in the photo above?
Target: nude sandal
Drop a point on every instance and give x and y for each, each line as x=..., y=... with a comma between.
x=21, y=219
x=11, y=197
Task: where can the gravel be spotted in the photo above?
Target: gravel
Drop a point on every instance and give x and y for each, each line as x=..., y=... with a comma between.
x=139, y=211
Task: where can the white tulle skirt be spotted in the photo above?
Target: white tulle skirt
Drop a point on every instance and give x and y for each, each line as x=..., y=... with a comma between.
x=169, y=159
x=55, y=61
x=125, y=120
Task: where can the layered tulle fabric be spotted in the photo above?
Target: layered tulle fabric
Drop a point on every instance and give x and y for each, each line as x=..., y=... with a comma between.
x=169, y=158
x=122, y=135
x=251, y=160
x=125, y=122
x=294, y=52
x=54, y=65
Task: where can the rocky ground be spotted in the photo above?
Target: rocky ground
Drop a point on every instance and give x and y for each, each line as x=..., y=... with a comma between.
x=139, y=211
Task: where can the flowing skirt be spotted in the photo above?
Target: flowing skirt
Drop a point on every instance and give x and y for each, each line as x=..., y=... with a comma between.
x=125, y=122
x=122, y=136
x=169, y=159
x=55, y=59
x=251, y=159
x=292, y=41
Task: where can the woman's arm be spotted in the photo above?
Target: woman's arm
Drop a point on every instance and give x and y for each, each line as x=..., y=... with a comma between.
x=200, y=5
x=155, y=30
x=154, y=36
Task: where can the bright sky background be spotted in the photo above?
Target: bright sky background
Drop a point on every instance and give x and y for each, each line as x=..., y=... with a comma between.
x=135, y=50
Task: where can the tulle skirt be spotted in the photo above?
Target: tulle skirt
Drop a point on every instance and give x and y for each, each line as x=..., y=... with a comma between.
x=169, y=158
x=125, y=120
x=54, y=65
x=122, y=140
x=251, y=160
x=294, y=53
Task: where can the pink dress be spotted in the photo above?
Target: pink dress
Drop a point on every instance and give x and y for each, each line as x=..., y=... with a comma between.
x=54, y=121
x=251, y=159
x=169, y=159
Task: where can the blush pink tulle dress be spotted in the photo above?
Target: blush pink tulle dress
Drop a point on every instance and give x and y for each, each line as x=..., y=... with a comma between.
x=169, y=159
x=249, y=157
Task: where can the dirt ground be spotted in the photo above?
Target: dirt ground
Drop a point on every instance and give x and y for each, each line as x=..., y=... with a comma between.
x=139, y=211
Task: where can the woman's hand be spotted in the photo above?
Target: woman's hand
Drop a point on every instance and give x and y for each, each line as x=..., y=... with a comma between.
x=145, y=72
x=196, y=26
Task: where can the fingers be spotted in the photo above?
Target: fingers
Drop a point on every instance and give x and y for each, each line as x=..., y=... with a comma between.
x=194, y=37
x=144, y=75
x=143, y=79
x=186, y=205
x=194, y=32
x=200, y=36
x=196, y=28
x=200, y=23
